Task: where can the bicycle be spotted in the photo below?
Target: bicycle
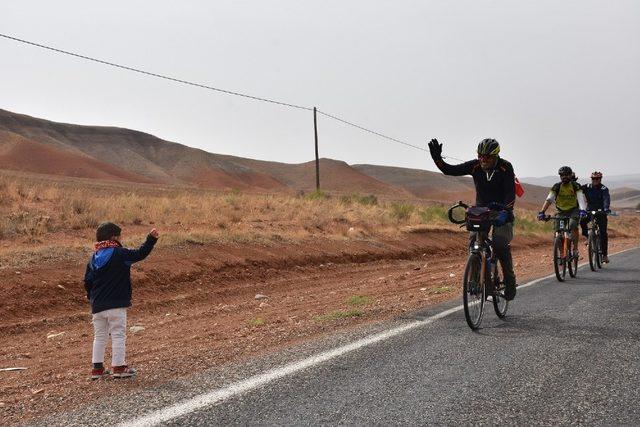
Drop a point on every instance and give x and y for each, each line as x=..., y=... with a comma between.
x=482, y=277
x=594, y=241
x=563, y=255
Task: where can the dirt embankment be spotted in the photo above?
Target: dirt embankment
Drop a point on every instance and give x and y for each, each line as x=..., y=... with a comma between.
x=198, y=303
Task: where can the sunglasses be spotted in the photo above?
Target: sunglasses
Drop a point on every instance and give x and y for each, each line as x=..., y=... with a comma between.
x=596, y=179
x=485, y=157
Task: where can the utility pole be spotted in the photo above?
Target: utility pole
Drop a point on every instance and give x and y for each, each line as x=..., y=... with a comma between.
x=315, y=130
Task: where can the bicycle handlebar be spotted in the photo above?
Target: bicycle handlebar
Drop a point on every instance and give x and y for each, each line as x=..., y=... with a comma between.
x=595, y=212
x=460, y=204
x=493, y=206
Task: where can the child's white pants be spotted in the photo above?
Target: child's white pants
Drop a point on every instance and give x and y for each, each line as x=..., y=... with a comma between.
x=110, y=322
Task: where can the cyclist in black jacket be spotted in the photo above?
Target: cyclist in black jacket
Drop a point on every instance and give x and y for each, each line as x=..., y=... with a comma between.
x=494, y=180
x=597, y=198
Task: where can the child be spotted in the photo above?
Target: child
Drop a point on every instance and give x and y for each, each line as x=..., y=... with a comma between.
x=108, y=284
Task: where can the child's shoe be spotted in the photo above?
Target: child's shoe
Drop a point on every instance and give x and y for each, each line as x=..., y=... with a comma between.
x=97, y=373
x=123, y=371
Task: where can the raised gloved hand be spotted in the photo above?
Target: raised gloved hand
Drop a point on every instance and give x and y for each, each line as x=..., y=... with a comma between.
x=583, y=213
x=435, y=148
x=541, y=216
x=501, y=219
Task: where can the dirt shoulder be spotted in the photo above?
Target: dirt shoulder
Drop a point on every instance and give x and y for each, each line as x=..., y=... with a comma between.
x=197, y=303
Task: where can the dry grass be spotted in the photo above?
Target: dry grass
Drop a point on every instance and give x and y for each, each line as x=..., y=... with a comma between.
x=527, y=224
x=32, y=208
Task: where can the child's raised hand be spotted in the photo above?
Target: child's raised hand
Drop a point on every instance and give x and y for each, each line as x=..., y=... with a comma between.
x=154, y=233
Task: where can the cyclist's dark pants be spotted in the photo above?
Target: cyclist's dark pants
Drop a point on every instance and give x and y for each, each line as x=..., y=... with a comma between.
x=602, y=224
x=502, y=237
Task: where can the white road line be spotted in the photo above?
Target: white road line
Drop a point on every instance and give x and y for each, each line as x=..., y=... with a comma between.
x=216, y=396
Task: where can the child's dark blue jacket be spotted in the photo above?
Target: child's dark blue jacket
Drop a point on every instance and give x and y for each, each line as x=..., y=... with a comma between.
x=108, y=276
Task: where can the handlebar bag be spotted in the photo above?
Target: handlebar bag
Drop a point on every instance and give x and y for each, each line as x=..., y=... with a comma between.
x=478, y=218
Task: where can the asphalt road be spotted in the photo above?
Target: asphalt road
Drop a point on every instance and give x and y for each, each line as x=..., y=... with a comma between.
x=568, y=353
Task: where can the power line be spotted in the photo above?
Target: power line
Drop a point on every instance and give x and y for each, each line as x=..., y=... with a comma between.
x=203, y=86
x=453, y=158
x=380, y=134
x=173, y=79
x=370, y=131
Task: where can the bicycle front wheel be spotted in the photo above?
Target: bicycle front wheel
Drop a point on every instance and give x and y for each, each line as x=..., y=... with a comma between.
x=572, y=260
x=598, y=250
x=473, y=292
x=500, y=303
x=593, y=254
x=559, y=260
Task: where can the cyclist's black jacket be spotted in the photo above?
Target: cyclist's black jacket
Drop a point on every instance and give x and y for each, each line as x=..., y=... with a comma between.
x=497, y=185
x=597, y=197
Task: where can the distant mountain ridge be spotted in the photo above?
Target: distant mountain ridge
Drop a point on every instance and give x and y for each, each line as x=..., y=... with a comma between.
x=20, y=153
x=146, y=158
x=35, y=145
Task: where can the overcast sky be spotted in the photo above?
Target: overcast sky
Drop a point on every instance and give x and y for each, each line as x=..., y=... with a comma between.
x=555, y=82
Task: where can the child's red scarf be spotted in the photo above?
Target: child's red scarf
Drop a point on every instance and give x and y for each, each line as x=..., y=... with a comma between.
x=106, y=244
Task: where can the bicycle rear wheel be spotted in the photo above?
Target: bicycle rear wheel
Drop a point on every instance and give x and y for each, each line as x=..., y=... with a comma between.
x=500, y=303
x=559, y=262
x=593, y=252
x=473, y=293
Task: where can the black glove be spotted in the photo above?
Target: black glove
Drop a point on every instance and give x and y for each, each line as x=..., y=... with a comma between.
x=436, y=149
x=501, y=219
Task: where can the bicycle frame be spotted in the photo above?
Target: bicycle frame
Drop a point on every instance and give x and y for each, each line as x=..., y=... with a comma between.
x=594, y=240
x=593, y=224
x=562, y=231
x=566, y=257
x=483, y=246
x=566, y=238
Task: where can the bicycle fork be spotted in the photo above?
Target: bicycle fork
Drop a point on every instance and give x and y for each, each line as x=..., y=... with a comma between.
x=488, y=272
